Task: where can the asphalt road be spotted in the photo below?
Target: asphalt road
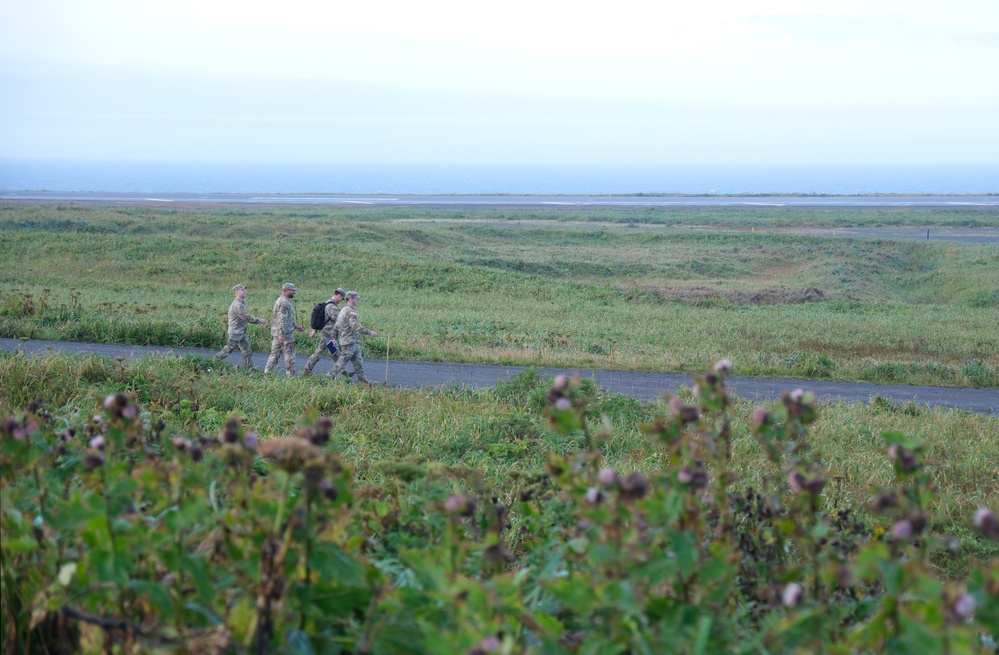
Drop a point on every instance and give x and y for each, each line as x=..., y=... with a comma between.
x=634, y=384
x=515, y=200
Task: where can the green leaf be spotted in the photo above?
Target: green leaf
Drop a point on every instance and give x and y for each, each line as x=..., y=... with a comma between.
x=298, y=643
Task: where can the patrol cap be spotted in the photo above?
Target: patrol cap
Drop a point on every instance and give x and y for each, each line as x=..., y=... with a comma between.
x=343, y=294
x=352, y=294
x=288, y=286
x=239, y=286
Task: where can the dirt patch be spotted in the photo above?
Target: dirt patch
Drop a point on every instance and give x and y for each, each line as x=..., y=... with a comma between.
x=754, y=297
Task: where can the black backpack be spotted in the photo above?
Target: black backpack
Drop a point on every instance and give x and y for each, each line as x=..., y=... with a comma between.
x=319, y=320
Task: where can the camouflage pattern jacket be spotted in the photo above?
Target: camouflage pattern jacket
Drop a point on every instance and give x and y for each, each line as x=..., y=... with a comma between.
x=283, y=324
x=239, y=319
x=348, y=328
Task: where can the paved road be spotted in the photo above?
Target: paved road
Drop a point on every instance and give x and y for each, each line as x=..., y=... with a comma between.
x=634, y=384
x=516, y=200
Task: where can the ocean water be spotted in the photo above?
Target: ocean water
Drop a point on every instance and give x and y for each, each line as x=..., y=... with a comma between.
x=299, y=178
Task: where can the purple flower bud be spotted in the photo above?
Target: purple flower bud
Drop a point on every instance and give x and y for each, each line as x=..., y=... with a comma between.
x=251, y=440
x=723, y=366
x=963, y=606
x=561, y=382
x=130, y=411
x=685, y=476
x=791, y=595
x=675, y=404
x=797, y=394
x=109, y=402
x=894, y=451
x=761, y=415
x=987, y=522
x=696, y=389
x=97, y=443
x=607, y=476
x=902, y=530
x=796, y=481
x=563, y=404
x=180, y=443
x=594, y=496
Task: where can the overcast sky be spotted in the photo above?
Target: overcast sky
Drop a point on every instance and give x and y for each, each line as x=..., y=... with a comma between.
x=623, y=82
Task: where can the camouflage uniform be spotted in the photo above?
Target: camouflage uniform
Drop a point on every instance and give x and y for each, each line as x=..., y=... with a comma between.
x=349, y=330
x=238, y=320
x=283, y=325
x=328, y=333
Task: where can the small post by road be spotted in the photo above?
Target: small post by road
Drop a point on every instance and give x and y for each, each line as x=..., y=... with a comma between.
x=927, y=234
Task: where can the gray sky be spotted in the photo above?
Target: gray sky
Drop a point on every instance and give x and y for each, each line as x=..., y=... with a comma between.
x=627, y=82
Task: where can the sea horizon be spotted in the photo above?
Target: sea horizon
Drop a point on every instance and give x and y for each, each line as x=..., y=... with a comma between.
x=19, y=175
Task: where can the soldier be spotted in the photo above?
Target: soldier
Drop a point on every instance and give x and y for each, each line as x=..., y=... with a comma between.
x=349, y=331
x=328, y=333
x=238, y=320
x=283, y=329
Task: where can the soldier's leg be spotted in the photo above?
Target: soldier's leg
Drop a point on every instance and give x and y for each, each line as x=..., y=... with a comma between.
x=275, y=353
x=226, y=349
x=359, y=366
x=341, y=362
x=289, y=358
x=244, y=348
x=320, y=349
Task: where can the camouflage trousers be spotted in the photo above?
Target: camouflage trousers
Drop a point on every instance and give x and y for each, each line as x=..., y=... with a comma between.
x=316, y=356
x=351, y=353
x=288, y=348
x=243, y=344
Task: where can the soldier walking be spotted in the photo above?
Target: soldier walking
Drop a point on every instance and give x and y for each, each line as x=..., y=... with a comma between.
x=283, y=329
x=238, y=320
x=349, y=331
x=328, y=333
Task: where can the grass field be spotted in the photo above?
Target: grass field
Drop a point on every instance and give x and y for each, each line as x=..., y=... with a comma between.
x=178, y=502
x=461, y=285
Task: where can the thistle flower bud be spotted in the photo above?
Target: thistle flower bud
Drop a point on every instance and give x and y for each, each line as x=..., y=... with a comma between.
x=180, y=443
x=561, y=382
x=894, y=451
x=130, y=411
x=797, y=395
x=987, y=522
x=634, y=486
x=109, y=402
x=685, y=476
x=724, y=366
x=675, y=404
x=197, y=452
x=93, y=460
x=696, y=389
x=689, y=414
x=962, y=607
x=761, y=416
x=594, y=496
x=796, y=481
x=902, y=530
x=329, y=490
x=460, y=505
x=563, y=404
x=97, y=443
x=607, y=476
x=489, y=644
x=884, y=501
x=791, y=595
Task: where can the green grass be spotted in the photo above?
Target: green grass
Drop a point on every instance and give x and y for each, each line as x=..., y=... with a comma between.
x=499, y=432
x=456, y=285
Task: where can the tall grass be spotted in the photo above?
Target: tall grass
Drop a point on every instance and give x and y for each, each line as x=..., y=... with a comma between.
x=456, y=286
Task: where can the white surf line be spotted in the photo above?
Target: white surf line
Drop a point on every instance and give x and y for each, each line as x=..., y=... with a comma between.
x=765, y=204
x=973, y=204
x=552, y=202
x=158, y=199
